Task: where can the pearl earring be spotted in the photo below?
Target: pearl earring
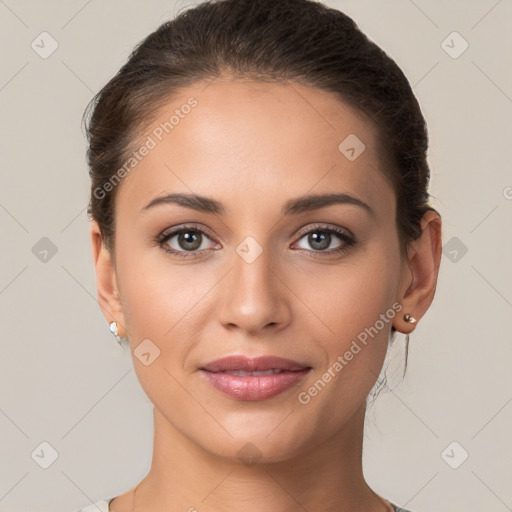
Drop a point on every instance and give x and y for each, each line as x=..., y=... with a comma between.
x=115, y=331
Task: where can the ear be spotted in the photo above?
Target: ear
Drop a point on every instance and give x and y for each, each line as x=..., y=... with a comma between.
x=420, y=272
x=106, y=282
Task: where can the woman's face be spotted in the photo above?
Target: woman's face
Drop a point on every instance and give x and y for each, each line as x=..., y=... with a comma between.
x=260, y=274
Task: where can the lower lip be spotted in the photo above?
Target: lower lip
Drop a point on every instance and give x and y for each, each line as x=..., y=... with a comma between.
x=257, y=387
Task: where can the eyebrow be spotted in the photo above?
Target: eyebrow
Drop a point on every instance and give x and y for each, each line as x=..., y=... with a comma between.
x=291, y=207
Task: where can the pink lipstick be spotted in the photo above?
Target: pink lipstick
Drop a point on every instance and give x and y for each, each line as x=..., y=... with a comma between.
x=264, y=377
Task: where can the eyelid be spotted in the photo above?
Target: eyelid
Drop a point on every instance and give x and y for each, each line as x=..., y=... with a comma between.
x=304, y=230
x=183, y=227
x=324, y=226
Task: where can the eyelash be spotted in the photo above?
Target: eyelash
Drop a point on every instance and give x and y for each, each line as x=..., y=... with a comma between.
x=348, y=240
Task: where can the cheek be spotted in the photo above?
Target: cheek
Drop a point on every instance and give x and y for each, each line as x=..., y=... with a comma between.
x=165, y=303
x=156, y=293
x=356, y=316
x=347, y=298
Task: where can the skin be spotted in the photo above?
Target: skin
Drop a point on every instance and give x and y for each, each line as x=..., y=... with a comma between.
x=253, y=146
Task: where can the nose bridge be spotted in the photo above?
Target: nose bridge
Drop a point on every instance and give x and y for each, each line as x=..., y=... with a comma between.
x=252, y=295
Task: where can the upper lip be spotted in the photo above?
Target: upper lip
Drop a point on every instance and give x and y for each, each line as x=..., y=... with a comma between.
x=240, y=362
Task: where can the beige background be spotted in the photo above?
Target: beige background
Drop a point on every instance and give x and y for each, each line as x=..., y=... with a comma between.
x=65, y=381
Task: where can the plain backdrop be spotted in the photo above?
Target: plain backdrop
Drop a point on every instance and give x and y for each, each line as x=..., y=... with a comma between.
x=438, y=441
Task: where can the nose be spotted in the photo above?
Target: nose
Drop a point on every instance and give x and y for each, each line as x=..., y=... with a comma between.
x=253, y=295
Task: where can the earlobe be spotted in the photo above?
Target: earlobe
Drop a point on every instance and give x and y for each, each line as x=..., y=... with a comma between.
x=424, y=258
x=106, y=281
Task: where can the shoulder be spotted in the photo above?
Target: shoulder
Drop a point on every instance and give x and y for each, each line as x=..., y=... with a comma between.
x=99, y=506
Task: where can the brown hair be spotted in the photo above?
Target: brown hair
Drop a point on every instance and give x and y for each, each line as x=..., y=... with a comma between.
x=271, y=40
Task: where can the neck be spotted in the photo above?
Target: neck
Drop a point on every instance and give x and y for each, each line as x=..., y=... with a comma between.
x=183, y=477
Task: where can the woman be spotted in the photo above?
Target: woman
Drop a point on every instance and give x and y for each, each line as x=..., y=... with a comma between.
x=261, y=229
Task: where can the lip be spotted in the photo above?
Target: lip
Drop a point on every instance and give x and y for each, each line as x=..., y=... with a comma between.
x=253, y=387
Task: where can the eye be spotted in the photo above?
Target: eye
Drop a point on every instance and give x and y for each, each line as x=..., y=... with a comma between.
x=185, y=241
x=320, y=238
x=188, y=241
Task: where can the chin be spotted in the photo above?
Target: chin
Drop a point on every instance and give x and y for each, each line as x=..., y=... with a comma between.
x=256, y=447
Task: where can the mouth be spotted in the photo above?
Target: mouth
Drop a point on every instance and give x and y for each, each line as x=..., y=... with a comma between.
x=243, y=373
x=252, y=365
x=243, y=378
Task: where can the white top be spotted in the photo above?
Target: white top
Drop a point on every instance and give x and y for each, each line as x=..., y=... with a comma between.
x=102, y=506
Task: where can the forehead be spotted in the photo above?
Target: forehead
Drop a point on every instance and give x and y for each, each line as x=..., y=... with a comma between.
x=258, y=139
